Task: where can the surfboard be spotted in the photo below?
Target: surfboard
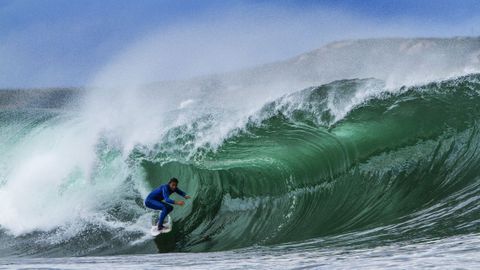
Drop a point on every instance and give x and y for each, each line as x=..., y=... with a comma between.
x=167, y=227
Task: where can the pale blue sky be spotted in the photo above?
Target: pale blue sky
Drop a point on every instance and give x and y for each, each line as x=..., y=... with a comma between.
x=67, y=43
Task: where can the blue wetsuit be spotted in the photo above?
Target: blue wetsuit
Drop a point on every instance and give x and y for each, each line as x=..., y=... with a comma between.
x=155, y=198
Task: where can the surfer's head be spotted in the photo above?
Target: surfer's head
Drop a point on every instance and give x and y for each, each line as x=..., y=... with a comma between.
x=173, y=183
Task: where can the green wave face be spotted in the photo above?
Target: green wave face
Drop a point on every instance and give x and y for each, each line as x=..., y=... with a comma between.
x=297, y=175
x=320, y=162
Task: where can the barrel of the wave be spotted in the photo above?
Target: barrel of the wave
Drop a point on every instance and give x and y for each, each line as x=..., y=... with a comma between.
x=290, y=179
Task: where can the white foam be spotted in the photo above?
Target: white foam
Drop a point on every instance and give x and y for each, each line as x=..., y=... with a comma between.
x=55, y=177
x=186, y=103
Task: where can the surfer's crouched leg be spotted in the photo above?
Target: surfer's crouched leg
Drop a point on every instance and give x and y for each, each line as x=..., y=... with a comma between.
x=167, y=209
x=158, y=205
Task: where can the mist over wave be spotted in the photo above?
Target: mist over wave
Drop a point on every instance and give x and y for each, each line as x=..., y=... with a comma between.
x=373, y=136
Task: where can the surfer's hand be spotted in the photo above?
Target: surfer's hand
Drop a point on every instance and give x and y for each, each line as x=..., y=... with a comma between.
x=187, y=197
x=180, y=202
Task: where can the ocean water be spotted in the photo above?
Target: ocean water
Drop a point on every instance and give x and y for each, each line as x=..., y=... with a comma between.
x=449, y=253
x=349, y=174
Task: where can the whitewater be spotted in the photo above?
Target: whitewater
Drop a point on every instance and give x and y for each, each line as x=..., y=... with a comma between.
x=363, y=152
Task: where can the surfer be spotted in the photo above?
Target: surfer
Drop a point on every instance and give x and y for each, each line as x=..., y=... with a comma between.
x=159, y=199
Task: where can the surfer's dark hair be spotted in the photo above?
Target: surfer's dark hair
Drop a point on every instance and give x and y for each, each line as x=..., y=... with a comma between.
x=174, y=180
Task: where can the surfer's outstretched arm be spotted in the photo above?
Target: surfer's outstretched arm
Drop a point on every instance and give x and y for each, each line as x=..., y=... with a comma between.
x=180, y=192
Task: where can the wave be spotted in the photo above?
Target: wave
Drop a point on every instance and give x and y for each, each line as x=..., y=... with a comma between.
x=294, y=175
x=345, y=158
